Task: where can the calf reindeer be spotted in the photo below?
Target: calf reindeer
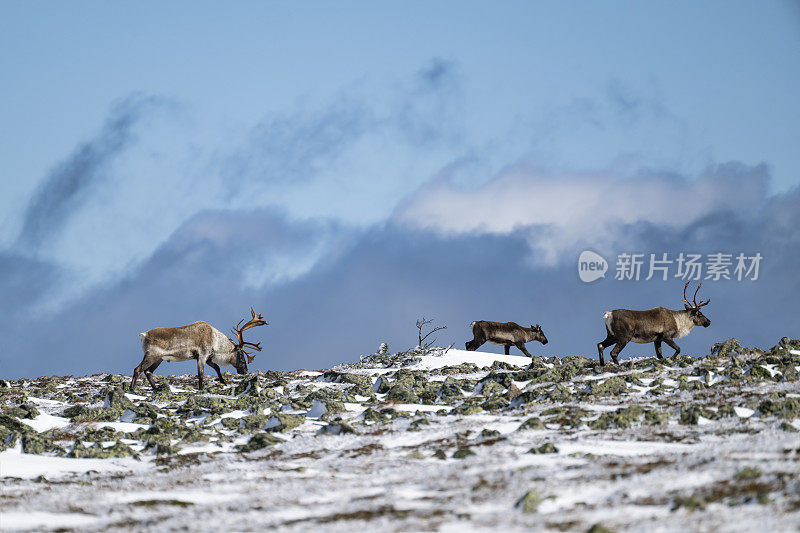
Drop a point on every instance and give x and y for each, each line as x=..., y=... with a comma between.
x=656, y=325
x=199, y=341
x=504, y=333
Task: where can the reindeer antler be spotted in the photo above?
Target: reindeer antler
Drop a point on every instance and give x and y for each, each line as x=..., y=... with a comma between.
x=694, y=303
x=257, y=320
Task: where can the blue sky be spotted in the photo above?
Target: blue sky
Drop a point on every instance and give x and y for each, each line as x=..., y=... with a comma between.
x=348, y=167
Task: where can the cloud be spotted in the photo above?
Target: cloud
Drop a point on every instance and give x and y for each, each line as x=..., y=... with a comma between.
x=67, y=186
x=369, y=287
x=558, y=213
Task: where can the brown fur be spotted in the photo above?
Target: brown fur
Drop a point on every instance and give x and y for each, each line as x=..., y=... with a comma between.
x=506, y=334
x=655, y=325
x=199, y=341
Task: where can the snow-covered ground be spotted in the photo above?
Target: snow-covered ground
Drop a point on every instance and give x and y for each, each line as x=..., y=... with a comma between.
x=446, y=443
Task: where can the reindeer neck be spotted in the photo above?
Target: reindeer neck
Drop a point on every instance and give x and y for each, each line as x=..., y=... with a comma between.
x=683, y=322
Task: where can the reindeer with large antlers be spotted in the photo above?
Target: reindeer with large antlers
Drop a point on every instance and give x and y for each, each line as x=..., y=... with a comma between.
x=199, y=341
x=656, y=325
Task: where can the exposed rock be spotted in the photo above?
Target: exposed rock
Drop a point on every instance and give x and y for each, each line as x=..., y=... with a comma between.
x=613, y=386
x=462, y=453
x=547, y=447
x=532, y=423
x=259, y=441
x=529, y=502
x=402, y=392
x=285, y=421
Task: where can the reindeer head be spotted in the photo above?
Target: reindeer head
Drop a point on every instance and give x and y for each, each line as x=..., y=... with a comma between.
x=538, y=334
x=693, y=308
x=241, y=364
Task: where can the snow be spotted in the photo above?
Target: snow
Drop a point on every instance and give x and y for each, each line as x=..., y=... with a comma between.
x=414, y=407
x=14, y=463
x=192, y=496
x=45, y=422
x=622, y=448
x=125, y=427
x=402, y=473
x=26, y=520
x=454, y=357
x=770, y=369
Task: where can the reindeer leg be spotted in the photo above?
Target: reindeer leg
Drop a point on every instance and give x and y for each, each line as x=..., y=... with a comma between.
x=522, y=348
x=215, y=366
x=475, y=343
x=602, y=345
x=508, y=348
x=200, y=370
x=671, y=344
x=618, y=348
x=149, y=374
x=147, y=361
x=657, y=344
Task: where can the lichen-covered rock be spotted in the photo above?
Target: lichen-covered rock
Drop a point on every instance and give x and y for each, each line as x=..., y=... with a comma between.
x=653, y=417
x=788, y=408
x=467, y=409
x=97, y=451
x=532, y=423
x=621, y=418
x=529, y=502
x=337, y=428
x=145, y=413
x=547, y=447
x=36, y=443
x=726, y=348
x=371, y=415
x=567, y=416
x=96, y=414
x=285, y=421
x=560, y=394
x=613, y=386
x=163, y=394
x=162, y=445
x=690, y=415
x=12, y=424
x=199, y=405
x=231, y=423
x=250, y=386
x=259, y=441
x=462, y=453
x=23, y=410
x=495, y=403
x=8, y=438
x=427, y=392
x=253, y=422
x=402, y=392
x=464, y=368
x=116, y=399
x=492, y=388
x=381, y=385
x=449, y=388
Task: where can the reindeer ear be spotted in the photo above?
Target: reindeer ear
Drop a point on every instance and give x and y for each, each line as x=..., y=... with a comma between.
x=686, y=306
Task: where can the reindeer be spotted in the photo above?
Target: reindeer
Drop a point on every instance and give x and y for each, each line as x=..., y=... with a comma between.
x=199, y=341
x=656, y=325
x=506, y=334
